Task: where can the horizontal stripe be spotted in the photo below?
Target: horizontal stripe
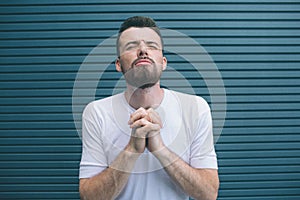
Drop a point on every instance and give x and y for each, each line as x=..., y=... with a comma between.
x=255, y=45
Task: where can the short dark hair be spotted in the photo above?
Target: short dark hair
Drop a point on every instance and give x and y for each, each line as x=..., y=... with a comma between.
x=138, y=22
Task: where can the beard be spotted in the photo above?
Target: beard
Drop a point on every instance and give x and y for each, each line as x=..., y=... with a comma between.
x=144, y=76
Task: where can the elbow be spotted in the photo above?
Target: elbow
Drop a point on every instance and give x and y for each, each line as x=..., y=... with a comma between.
x=214, y=191
x=214, y=195
x=87, y=191
x=210, y=194
x=82, y=193
x=83, y=189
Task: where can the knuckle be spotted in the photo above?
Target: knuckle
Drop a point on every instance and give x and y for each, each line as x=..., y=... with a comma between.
x=144, y=121
x=150, y=110
x=141, y=110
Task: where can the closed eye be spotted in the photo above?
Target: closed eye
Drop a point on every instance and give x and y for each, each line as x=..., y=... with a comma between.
x=153, y=45
x=135, y=44
x=131, y=45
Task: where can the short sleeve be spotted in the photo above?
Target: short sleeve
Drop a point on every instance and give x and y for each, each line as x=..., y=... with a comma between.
x=93, y=159
x=202, y=154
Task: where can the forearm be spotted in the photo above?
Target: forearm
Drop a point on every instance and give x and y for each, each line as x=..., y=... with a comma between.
x=110, y=182
x=197, y=183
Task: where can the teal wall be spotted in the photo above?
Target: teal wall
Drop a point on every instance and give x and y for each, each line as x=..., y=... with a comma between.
x=255, y=45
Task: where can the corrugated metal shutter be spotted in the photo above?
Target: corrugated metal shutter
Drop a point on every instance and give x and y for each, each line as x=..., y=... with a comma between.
x=255, y=44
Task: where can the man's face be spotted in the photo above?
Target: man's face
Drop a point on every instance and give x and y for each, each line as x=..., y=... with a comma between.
x=141, y=59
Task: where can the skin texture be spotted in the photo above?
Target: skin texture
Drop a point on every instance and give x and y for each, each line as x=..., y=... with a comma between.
x=141, y=56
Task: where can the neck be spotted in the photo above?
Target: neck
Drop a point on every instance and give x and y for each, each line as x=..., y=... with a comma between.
x=146, y=98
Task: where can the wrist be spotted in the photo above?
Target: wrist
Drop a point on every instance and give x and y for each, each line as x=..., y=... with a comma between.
x=131, y=150
x=165, y=156
x=125, y=161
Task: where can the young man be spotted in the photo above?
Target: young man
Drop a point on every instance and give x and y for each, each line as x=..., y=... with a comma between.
x=147, y=142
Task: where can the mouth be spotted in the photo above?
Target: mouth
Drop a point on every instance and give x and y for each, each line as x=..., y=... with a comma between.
x=142, y=62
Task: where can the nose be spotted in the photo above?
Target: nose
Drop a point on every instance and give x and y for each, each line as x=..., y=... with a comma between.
x=142, y=50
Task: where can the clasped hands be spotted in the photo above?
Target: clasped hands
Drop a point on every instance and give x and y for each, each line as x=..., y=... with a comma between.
x=145, y=125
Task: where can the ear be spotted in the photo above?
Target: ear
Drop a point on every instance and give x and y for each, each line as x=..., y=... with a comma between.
x=118, y=65
x=165, y=63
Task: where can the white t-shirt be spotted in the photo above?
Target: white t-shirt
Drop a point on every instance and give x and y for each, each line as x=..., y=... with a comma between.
x=187, y=131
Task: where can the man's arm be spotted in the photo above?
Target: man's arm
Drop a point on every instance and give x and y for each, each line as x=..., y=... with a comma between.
x=110, y=182
x=198, y=183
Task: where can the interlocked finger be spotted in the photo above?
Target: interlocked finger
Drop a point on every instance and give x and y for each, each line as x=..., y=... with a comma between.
x=138, y=114
x=139, y=123
x=154, y=117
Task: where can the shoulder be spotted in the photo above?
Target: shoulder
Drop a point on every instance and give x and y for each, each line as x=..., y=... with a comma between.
x=190, y=102
x=102, y=105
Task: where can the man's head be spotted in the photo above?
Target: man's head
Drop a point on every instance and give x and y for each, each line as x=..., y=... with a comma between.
x=140, y=56
x=138, y=22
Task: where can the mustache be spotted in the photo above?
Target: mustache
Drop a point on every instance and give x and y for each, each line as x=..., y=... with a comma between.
x=141, y=58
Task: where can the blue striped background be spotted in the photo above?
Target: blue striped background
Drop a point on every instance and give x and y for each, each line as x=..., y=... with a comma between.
x=255, y=45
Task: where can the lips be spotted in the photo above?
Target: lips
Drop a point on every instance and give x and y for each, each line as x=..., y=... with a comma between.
x=140, y=62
